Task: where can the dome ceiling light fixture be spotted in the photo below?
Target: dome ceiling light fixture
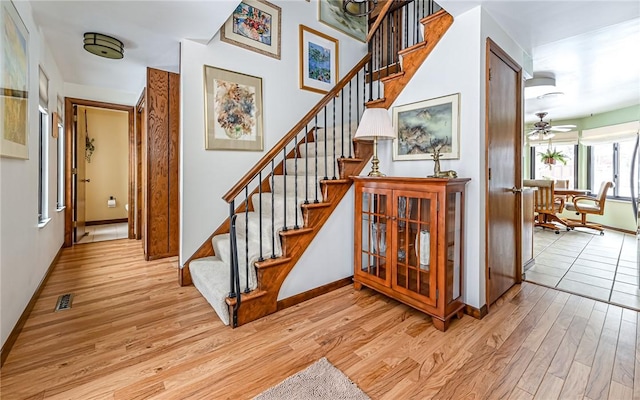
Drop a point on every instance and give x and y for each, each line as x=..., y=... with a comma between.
x=541, y=87
x=103, y=45
x=359, y=8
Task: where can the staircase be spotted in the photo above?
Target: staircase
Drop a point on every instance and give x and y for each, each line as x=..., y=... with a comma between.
x=279, y=206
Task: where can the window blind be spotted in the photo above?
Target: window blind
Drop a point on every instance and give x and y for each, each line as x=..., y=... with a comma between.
x=44, y=90
x=610, y=134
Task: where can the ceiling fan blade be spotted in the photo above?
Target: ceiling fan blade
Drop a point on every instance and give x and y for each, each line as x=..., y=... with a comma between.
x=532, y=132
x=564, y=126
x=559, y=129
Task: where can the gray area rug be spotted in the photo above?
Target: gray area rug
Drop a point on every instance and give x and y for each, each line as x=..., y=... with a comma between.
x=321, y=380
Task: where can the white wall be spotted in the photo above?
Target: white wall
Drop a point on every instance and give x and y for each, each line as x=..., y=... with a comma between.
x=457, y=65
x=27, y=251
x=206, y=175
x=102, y=94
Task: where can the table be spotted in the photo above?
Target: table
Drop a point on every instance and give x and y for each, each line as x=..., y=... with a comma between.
x=571, y=192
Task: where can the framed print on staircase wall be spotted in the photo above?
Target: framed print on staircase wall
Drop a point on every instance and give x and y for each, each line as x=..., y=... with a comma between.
x=254, y=25
x=233, y=110
x=14, y=84
x=318, y=60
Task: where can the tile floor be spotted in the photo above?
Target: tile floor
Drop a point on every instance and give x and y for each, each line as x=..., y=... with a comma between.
x=585, y=263
x=99, y=233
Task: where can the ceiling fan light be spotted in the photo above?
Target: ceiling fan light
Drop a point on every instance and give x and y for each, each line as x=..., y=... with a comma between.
x=103, y=45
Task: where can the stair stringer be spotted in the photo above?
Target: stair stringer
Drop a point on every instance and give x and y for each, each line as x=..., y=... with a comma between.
x=435, y=26
x=272, y=273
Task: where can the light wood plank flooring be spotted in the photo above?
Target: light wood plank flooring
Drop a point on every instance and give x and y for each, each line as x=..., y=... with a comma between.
x=133, y=333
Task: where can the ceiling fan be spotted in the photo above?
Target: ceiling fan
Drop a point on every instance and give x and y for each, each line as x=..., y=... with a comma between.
x=544, y=130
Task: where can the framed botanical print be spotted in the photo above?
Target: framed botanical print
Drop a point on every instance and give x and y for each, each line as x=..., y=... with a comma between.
x=318, y=60
x=426, y=124
x=233, y=110
x=14, y=84
x=254, y=25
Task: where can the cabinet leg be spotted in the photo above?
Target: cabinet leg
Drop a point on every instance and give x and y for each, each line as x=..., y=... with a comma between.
x=357, y=285
x=460, y=313
x=440, y=325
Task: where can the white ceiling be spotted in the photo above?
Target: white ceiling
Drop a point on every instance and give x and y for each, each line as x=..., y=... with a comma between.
x=590, y=46
x=150, y=30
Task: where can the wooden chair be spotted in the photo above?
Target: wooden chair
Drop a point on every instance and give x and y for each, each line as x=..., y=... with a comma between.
x=546, y=204
x=584, y=205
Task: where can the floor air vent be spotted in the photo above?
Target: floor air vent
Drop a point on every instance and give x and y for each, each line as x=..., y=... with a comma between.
x=64, y=302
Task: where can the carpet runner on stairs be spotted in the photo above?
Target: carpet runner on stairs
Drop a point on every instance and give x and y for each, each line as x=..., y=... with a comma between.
x=259, y=229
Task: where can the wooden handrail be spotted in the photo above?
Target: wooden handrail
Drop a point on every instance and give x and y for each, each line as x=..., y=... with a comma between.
x=266, y=159
x=383, y=12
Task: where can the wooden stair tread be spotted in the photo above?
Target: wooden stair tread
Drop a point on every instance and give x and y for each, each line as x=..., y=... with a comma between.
x=413, y=48
x=392, y=77
x=373, y=103
x=293, y=232
x=338, y=181
x=247, y=296
x=436, y=15
x=322, y=204
x=272, y=262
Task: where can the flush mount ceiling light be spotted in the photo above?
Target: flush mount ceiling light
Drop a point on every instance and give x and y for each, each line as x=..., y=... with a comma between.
x=359, y=8
x=540, y=87
x=103, y=45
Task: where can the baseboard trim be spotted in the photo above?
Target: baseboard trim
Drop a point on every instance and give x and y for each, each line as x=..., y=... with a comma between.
x=310, y=294
x=107, y=221
x=477, y=313
x=528, y=265
x=605, y=227
x=13, y=336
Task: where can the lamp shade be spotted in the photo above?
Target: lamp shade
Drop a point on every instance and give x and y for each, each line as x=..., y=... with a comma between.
x=375, y=123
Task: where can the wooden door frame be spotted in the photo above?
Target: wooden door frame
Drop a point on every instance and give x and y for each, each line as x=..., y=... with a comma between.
x=68, y=121
x=492, y=47
x=137, y=165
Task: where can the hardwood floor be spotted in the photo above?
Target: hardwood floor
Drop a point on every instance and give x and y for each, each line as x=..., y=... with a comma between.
x=133, y=333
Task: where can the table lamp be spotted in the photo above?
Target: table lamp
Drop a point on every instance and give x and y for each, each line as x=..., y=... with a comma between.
x=375, y=124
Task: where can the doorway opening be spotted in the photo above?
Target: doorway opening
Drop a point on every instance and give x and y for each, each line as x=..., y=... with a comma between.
x=99, y=173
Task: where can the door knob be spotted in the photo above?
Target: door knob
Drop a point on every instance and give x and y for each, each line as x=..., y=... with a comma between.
x=516, y=190
x=85, y=180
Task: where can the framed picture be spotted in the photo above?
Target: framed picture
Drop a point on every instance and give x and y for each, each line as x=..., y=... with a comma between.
x=14, y=84
x=255, y=26
x=233, y=110
x=318, y=60
x=426, y=124
x=330, y=12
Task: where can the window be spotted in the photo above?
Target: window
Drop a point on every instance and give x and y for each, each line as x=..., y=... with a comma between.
x=557, y=171
x=43, y=150
x=611, y=150
x=61, y=155
x=612, y=162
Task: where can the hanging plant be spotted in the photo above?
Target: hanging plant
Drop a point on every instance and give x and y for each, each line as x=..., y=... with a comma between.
x=550, y=157
x=89, y=147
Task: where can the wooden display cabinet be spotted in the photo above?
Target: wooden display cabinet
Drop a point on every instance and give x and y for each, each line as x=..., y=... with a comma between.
x=409, y=242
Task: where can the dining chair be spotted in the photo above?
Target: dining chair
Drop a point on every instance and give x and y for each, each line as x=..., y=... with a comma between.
x=546, y=204
x=585, y=205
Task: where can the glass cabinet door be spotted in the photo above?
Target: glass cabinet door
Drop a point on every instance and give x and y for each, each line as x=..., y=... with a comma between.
x=415, y=243
x=375, y=236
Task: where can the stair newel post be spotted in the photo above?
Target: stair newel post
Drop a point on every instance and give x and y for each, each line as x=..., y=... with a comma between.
x=306, y=164
x=349, y=120
x=315, y=131
x=232, y=292
x=246, y=237
x=326, y=155
x=295, y=182
x=260, y=212
x=273, y=221
x=284, y=172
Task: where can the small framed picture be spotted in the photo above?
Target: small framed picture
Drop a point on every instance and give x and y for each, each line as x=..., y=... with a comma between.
x=255, y=26
x=318, y=60
x=422, y=126
x=233, y=110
